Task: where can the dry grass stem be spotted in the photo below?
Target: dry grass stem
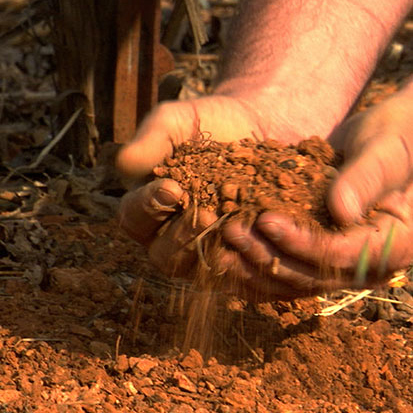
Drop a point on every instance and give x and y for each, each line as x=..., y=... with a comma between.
x=195, y=216
x=399, y=280
x=246, y=344
x=374, y=297
x=10, y=273
x=197, y=25
x=136, y=312
x=29, y=96
x=201, y=256
x=197, y=240
x=274, y=266
x=117, y=347
x=172, y=299
x=353, y=296
x=343, y=303
x=34, y=339
x=212, y=227
x=47, y=148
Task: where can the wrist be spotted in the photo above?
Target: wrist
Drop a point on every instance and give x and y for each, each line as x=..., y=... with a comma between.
x=288, y=113
x=305, y=67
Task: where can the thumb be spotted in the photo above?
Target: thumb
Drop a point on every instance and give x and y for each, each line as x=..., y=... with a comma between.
x=223, y=118
x=380, y=166
x=143, y=211
x=168, y=125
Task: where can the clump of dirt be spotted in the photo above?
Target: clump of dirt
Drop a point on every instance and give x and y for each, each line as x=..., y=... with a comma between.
x=246, y=178
x=240, y=180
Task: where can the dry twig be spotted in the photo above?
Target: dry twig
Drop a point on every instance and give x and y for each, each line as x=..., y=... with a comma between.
x=343, y=303
x=353, y=296
x=205, y=232
x=47, y=148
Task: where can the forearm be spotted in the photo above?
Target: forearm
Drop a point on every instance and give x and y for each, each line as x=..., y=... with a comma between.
x=303, y=63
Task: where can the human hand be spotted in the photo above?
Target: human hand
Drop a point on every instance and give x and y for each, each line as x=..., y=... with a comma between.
x=378, y=170
x=144, y=211
x=224, y=118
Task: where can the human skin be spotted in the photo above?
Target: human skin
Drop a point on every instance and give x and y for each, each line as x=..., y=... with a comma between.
x=296, y=76
x=378, y=169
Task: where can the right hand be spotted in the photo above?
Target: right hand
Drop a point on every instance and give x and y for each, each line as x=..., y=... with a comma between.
x=145, y=210
x=378, y=171
x=378, y=152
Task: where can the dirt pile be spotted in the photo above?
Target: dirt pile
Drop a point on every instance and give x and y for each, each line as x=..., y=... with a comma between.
x=245, y=178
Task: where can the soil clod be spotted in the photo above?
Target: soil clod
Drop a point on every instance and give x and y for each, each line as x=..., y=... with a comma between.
x=246, y=178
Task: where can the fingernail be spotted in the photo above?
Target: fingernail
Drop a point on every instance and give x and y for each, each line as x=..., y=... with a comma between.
x=241, y=243
x=165, y=198
x=350, y=201
x=234, y=235
x=275, y=231
x=272, y=230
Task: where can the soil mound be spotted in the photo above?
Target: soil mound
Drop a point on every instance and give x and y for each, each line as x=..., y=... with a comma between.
x=246, y=178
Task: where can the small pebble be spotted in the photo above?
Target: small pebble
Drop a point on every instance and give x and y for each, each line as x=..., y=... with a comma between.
x=330, y=172
x=288, y=164
x=264, y=201
x=170, y=161
x=229, y=192
x=250, y=170
x=229, y=206
x=184, y=383
x=210, y=189
x=284, y=180
x=122, y=363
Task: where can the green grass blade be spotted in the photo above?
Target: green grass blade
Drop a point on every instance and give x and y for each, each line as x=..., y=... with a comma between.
x=362, y=266
x=386, y=251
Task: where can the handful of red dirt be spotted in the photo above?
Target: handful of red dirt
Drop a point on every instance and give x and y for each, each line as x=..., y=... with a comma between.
x=246, y=178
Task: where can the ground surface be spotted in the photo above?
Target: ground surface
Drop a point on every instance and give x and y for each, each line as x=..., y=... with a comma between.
x=88, y=325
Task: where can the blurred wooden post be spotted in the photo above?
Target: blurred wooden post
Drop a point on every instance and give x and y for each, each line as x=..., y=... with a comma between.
x=109, y=59
x=85, y=48
x=129, y=19
x=136, y=82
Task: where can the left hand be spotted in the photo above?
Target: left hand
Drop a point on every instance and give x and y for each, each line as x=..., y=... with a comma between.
x=378, y=170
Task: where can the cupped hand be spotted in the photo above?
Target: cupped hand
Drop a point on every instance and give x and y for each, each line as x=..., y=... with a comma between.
x=145, y=212
x=378, y=149
x=377, y=172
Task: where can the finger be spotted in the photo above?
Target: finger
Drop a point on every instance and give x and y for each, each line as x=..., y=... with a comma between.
x=143, y=211
x=339, y=249
x=167, y=126
x=264, y=259
x=397, y=204
x=383, y=164
x=174, y=249
x=289, y=280
x=387, y=240
x=240, y=278
x=250, y=243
